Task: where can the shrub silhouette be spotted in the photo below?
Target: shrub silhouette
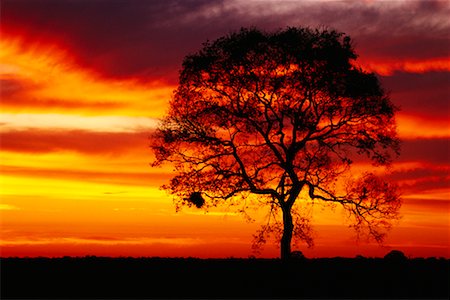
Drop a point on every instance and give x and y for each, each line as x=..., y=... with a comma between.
x=298, y=255
x=395, y=256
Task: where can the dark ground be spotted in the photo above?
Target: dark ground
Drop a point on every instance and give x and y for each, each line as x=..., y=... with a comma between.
x=96, y=277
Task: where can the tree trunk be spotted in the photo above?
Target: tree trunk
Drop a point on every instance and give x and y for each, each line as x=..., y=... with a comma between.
x=286, y=239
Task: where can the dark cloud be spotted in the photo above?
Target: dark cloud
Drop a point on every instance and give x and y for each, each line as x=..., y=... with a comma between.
x=383, y=29
x=150, y=38
x=424, y=94
x=422, y=180
x=412, y=45
x=405, y=82
x=426, y=185
x=428, y=205
x=425, y=151
x=432, y=173
x=419, y=173
x=115, y=37
x=433, y=151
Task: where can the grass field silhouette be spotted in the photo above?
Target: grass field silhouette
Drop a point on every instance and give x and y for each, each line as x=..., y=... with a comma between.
x=103, y=277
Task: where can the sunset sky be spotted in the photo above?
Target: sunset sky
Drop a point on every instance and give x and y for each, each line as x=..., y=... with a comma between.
x=83, y=84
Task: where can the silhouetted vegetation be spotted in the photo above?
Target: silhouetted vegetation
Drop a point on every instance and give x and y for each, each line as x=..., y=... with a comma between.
x=280, y=115
x=100, y=277
x=395, y=256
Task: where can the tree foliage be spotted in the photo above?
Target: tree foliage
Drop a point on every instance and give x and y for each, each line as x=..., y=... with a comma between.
x=280, y=115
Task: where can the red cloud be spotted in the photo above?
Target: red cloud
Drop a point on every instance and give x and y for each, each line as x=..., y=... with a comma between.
x=42, y=141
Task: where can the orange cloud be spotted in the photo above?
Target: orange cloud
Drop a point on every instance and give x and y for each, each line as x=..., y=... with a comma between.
x=414, y=126
x=45, y=78
x=387, y=68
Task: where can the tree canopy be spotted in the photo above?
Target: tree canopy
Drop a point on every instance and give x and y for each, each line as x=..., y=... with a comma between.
x=281, y=115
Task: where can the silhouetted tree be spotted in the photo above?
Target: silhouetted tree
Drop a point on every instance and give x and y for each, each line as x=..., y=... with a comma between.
x=280, y=115
x=298, y=255
x=395, y=256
